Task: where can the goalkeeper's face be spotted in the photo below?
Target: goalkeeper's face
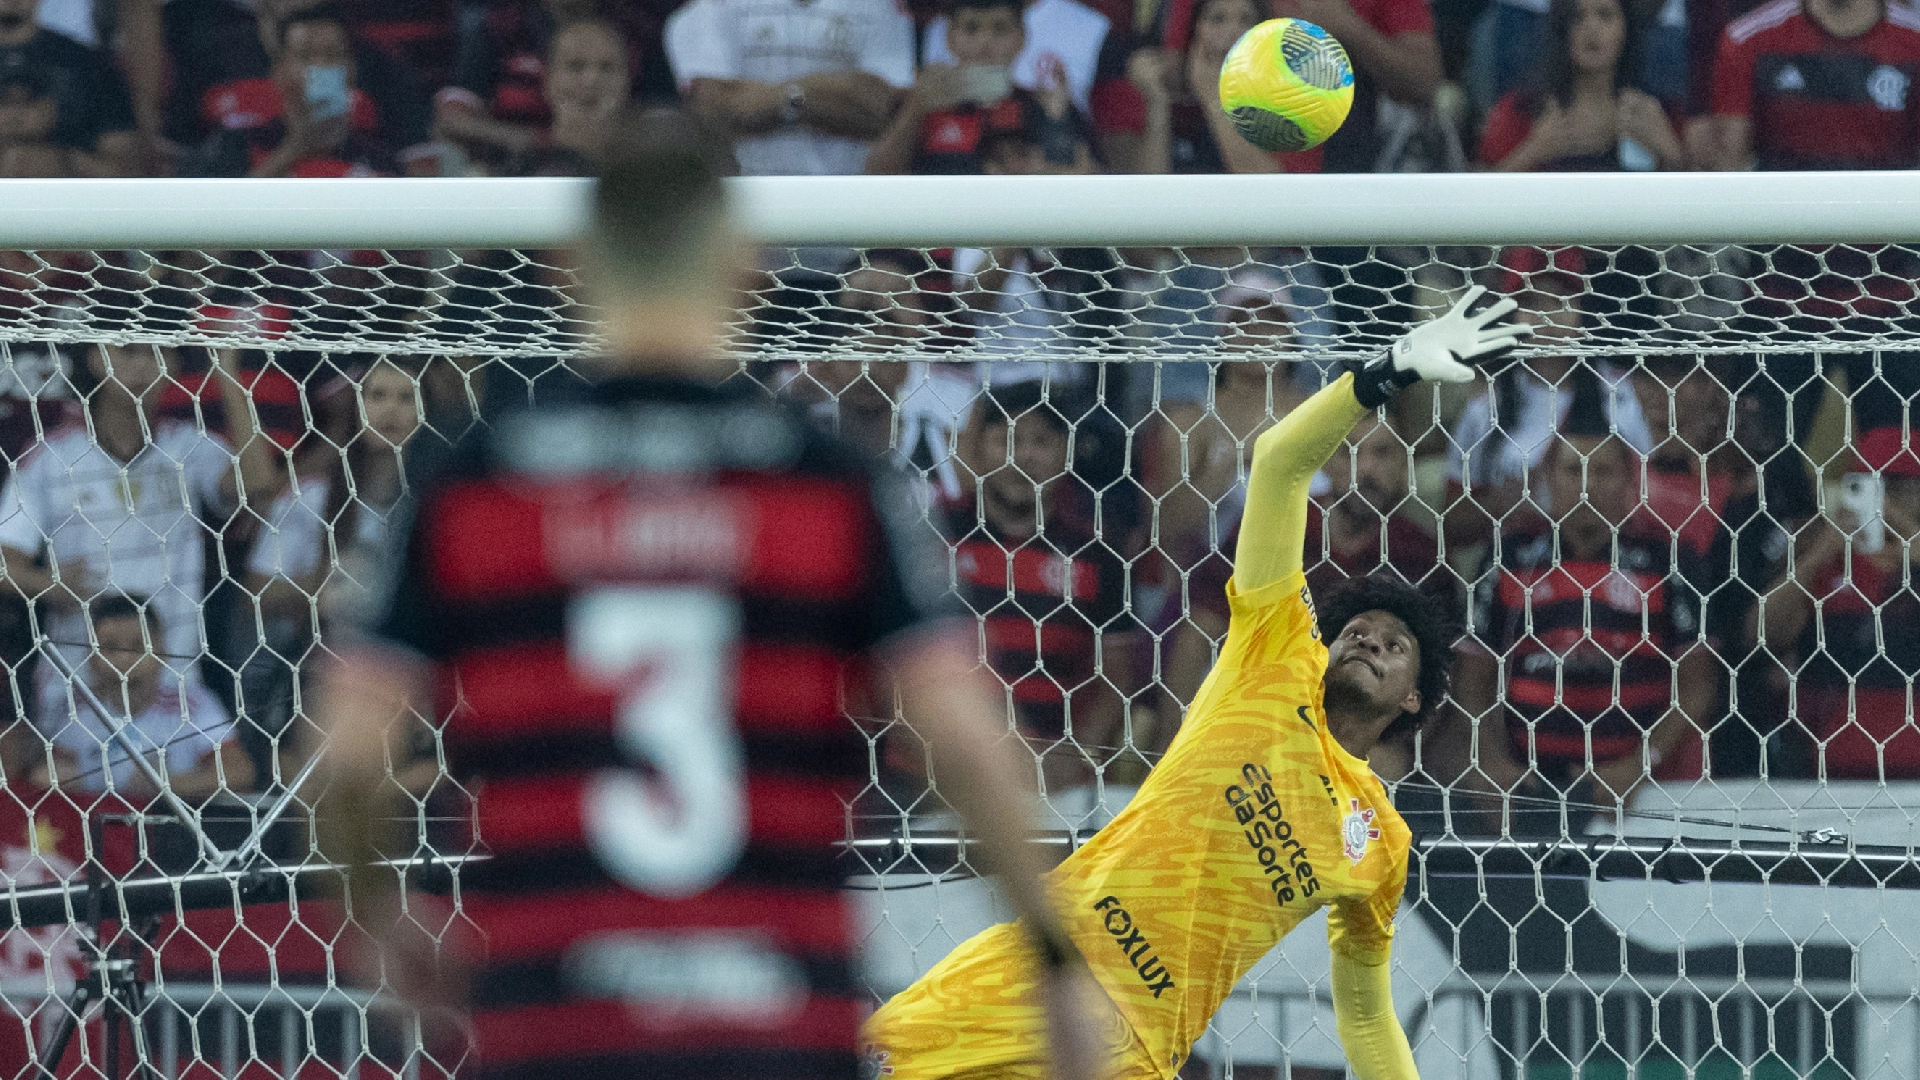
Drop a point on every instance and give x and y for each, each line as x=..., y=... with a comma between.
x=1374, y=664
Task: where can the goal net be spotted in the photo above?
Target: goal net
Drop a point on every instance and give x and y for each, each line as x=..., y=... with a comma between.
x=1677, y=526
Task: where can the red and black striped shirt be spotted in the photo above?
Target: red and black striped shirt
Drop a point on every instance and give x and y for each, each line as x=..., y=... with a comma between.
x=1821, y=102
x=1567, y=630
x=1044, y=605
x=1855, y=664
x=644, y=598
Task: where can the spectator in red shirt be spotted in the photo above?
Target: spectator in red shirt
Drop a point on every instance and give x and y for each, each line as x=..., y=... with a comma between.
x=948, y=121
x=1585, y=113
x=500, y=102
x=221, y=54
x=1845, y=622
x=1825, y=84
x=309, y=119
x=1588, y=620
x=1819, y=84
x=1049, y=590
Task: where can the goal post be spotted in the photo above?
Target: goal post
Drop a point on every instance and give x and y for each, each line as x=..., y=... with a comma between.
x=1751, y=911
x=937, y=211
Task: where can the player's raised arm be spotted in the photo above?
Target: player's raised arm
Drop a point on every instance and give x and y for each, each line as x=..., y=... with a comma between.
x=1360, y=939
x=1274, y=527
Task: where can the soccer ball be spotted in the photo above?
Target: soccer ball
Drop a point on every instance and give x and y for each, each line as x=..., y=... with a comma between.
x=1287, y=85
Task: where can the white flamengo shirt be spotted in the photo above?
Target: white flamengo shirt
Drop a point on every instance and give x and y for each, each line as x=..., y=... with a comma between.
x=184, y=724
x=779, y=41
x=140, y=529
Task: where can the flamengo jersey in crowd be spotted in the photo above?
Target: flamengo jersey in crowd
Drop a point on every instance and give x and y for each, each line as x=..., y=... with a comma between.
x=645, y=597
x=1589, y=644
x=1818, y=102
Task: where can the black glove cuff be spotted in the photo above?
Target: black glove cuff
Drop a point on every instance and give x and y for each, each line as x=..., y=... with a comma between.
x=1375, y=381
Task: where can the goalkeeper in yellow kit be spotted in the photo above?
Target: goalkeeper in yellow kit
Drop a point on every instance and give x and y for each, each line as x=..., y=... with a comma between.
x=1262, y=811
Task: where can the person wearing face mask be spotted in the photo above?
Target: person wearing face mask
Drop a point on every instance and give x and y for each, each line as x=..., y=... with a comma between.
x=90, y=131
x=1064, y=42
x=954, y=112
x=1584, y=112
x=309, y=119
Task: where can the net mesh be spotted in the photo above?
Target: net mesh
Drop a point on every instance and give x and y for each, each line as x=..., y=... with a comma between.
x=1681, y=456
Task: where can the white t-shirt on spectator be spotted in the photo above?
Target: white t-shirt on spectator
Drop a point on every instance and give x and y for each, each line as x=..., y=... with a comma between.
x=294, y=539
x=75, y=19
x=141, y=528
x=778, y=41
x=184, y=724
x=1059, y=32
x=1021, y=323
x=1523, y=441
x=293, y=544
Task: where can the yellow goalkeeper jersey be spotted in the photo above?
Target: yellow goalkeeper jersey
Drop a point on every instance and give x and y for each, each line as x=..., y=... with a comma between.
x=1255, y=819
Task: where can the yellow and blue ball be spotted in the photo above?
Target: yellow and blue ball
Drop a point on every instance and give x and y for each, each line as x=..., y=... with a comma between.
x=1287, y=84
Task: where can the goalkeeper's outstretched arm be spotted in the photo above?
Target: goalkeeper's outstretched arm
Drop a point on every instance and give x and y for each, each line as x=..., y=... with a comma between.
x=1273, y=528
x=1370, y=1031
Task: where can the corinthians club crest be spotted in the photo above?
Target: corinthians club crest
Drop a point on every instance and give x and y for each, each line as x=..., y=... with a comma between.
x=1357, y=830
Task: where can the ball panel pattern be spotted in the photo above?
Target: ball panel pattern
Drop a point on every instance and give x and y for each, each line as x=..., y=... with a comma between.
x=1286, y=85
x=1268, y=130
x=1313, y=55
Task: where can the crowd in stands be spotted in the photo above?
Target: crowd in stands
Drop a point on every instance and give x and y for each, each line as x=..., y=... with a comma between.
x=189, y=523
x=522, y=87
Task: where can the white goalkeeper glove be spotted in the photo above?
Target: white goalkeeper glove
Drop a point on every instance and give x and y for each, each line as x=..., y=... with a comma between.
x=1435, y=350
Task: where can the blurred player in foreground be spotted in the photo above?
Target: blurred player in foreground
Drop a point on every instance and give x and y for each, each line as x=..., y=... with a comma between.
x=1262, y=811
x=648, y=595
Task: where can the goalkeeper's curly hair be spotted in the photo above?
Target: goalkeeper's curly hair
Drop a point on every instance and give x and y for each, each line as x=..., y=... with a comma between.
x=1431, y=621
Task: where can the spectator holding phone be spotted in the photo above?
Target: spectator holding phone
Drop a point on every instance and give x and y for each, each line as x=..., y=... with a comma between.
x=310, y=119
x=956, y=112
x=1844, y=621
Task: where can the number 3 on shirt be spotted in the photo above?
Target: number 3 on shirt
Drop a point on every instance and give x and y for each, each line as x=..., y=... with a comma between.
x=670, y=653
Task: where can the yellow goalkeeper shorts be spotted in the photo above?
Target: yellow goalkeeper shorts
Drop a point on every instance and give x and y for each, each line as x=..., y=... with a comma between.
x=973, y=1018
